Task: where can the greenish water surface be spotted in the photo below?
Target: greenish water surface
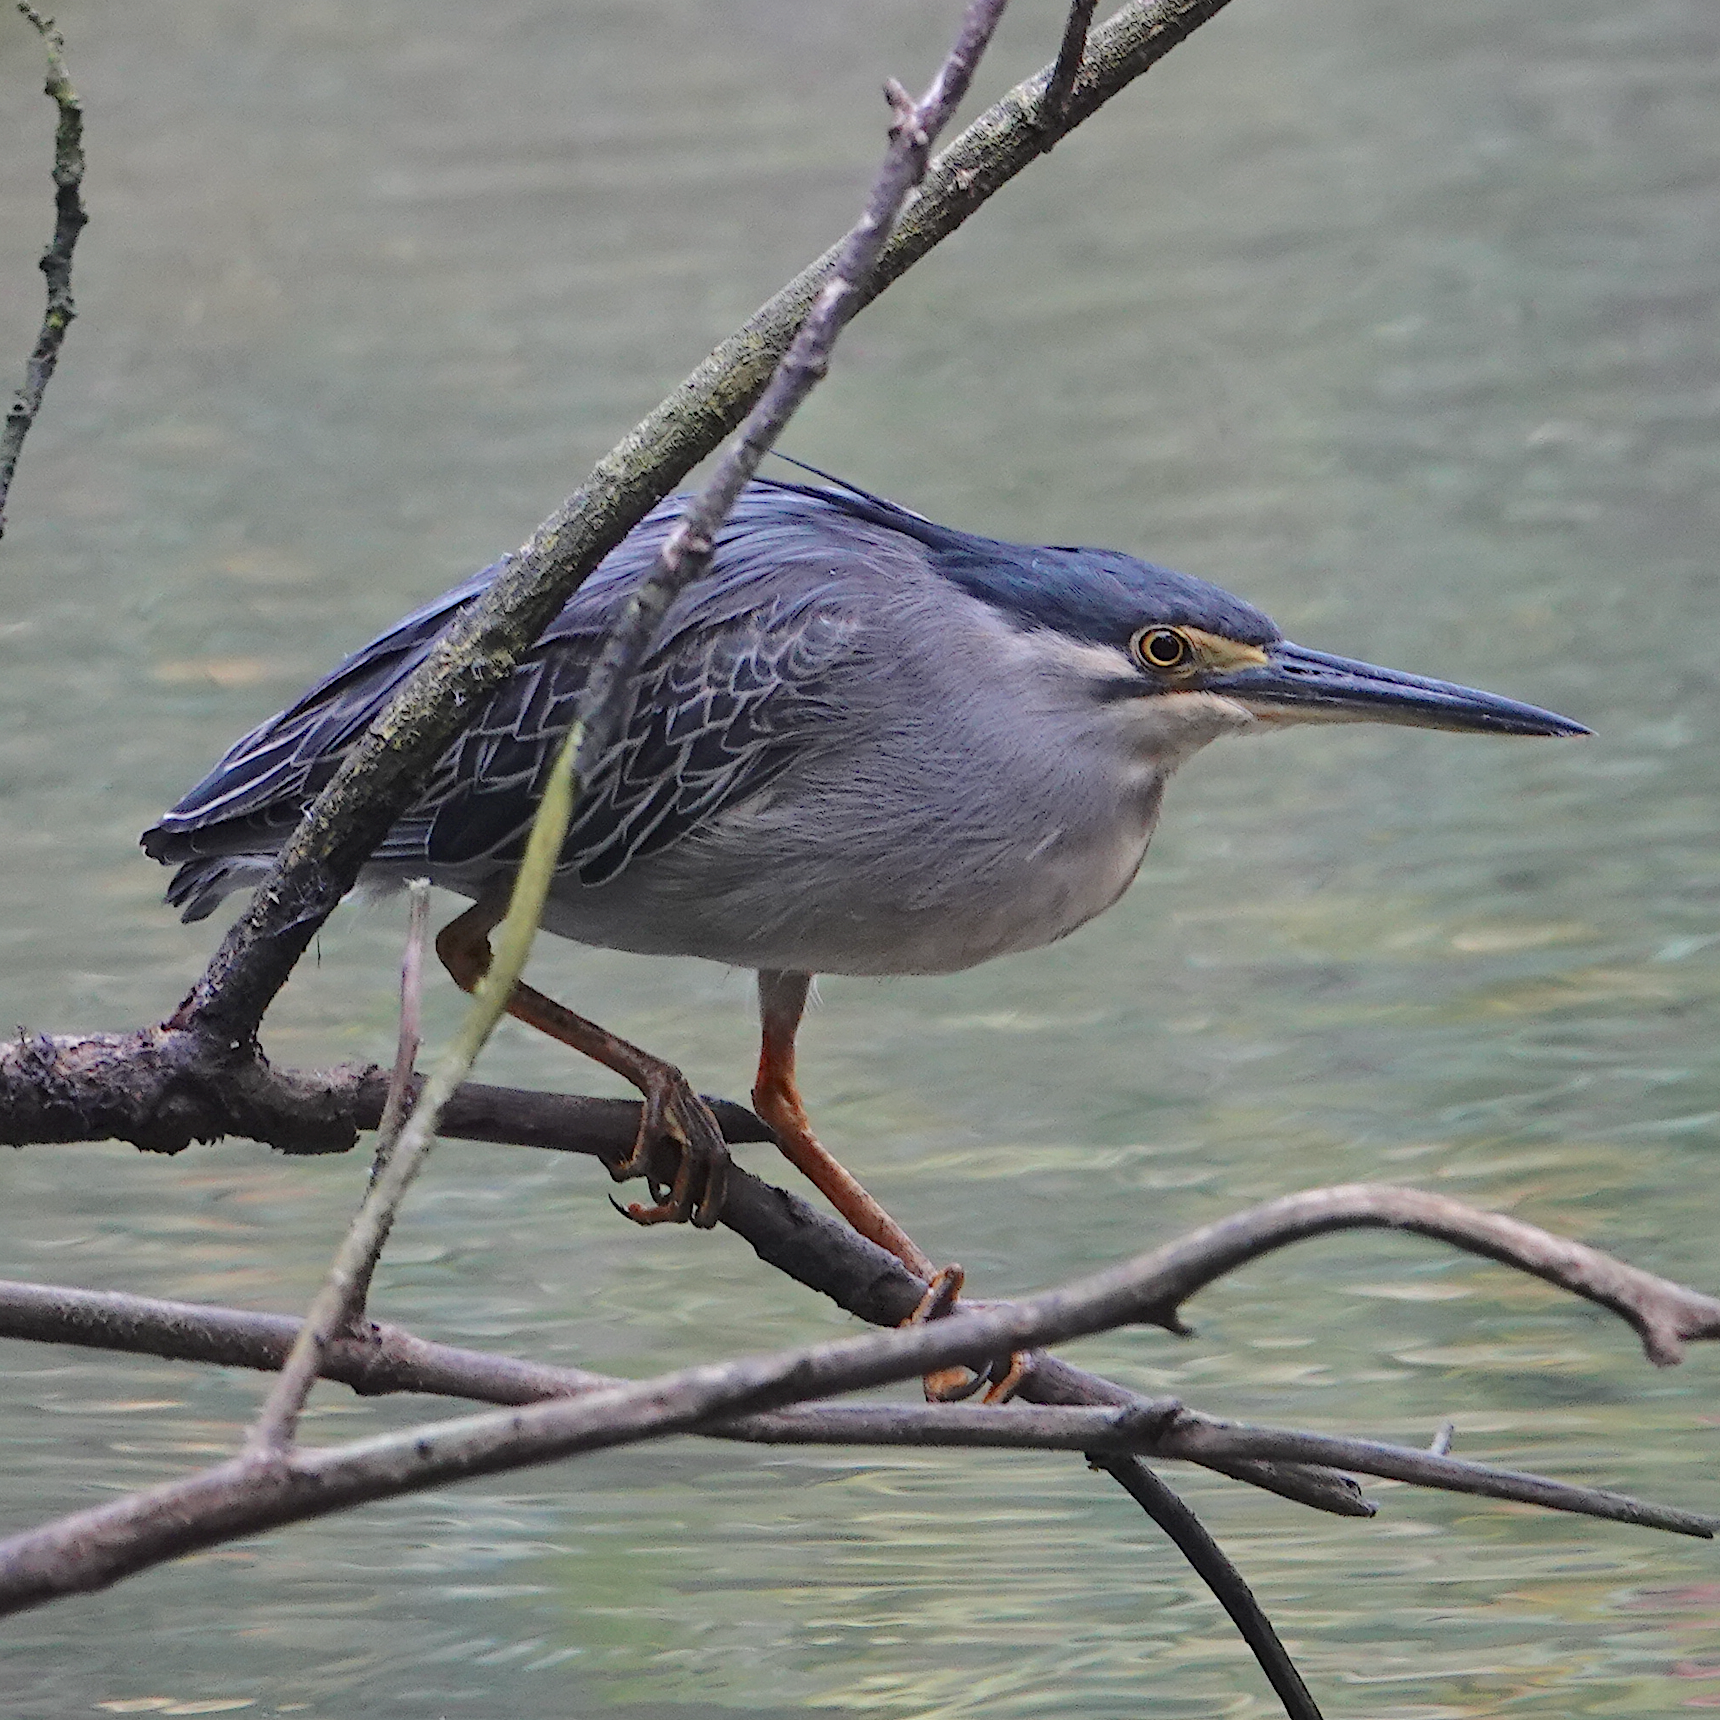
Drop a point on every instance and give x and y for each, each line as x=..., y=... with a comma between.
x=1399, y=320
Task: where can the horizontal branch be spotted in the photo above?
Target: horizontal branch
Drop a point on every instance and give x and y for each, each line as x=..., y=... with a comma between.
x=388, y=1359
x=162, y=1088
x=266, y=1488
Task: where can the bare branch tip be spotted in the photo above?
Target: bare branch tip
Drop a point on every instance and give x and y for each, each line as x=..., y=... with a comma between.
x=50, y=34
x=905, y=116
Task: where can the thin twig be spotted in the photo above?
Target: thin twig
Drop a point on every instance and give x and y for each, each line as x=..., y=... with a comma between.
x=1052, y=116
x=56, y=264
x=1428, y=1469
x=400, y=1089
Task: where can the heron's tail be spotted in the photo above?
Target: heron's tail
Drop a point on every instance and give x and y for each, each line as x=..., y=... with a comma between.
x=199, y=886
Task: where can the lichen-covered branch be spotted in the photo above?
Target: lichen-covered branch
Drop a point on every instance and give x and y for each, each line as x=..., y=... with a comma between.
x=481, y=646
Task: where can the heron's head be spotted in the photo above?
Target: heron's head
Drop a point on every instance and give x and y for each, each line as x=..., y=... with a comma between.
x=1183, y=658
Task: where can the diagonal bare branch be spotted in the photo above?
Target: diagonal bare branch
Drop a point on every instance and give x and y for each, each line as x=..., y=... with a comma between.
x=481, y=646
x=343, y=1290
x=686, y=552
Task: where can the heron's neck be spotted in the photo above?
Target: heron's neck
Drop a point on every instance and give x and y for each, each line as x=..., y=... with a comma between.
x=1166, y=728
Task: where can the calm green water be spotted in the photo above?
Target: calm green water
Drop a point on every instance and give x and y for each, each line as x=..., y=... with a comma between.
x=1400, y=320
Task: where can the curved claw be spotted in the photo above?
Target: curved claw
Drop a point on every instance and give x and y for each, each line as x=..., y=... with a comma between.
x=675, y=1116
x=1014, y=1371
x=953, y=1385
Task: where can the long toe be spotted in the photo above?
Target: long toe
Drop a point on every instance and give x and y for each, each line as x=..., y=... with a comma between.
x=676, y=1122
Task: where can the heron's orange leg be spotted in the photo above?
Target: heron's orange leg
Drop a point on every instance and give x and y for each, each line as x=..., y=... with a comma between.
x=776, y=1098
x=672, y=1113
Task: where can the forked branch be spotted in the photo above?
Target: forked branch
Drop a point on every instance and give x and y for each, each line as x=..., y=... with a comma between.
x=384, y=1359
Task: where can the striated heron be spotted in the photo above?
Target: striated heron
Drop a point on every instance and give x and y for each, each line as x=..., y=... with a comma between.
x=861, y=744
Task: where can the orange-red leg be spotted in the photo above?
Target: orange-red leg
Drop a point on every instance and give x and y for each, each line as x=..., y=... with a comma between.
x=776, y=1098
x=672, y=1112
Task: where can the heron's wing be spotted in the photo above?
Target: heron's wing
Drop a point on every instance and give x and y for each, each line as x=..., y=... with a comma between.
x=718, y=712
x=735, y=689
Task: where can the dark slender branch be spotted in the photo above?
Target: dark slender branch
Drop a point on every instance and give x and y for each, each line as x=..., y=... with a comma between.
x=56, y=264
x=480, y=648
x=1212, y=1564
x=1052, y=117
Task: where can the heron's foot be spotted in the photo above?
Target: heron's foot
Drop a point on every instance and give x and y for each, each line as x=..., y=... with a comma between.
x=947, y=1385
x=676, y=1125
x=1000, y=1378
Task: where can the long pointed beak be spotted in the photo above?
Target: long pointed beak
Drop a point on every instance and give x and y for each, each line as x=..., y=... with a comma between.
x=1295, y=684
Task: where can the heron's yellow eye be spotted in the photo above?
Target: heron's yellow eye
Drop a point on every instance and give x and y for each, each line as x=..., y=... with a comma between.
x=1162, y=648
